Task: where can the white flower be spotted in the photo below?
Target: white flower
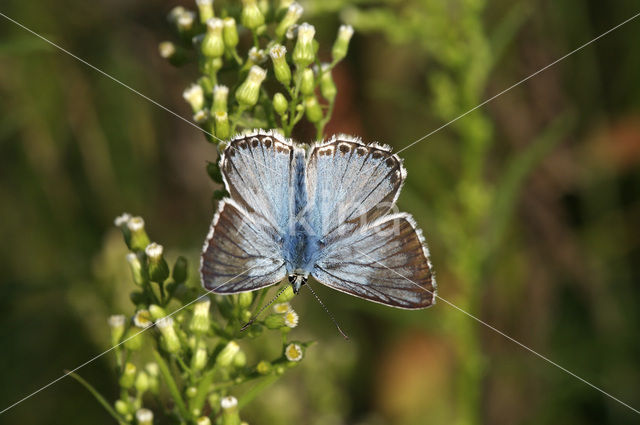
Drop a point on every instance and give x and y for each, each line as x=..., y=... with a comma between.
x=293, y=352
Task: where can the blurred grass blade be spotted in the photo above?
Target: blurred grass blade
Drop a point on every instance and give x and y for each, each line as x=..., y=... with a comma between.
x=517, y=170
x=99, y=397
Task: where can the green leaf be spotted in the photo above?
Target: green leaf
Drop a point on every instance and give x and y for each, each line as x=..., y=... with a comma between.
x=99, y=397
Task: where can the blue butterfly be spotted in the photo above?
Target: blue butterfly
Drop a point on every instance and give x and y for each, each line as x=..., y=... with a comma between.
x=324, y=212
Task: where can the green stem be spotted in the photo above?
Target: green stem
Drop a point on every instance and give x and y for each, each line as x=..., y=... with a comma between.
x=256, y=389
x=99, y=397
x=171, y=385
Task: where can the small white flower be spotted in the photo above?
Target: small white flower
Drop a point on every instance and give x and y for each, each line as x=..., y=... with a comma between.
x=293, y=352
x=229, y=402
x=144, y=416
x=281, y=308
x=291, y=318
x=154, y=251
x=116, y=320
x=135, y=224
x=122, y=219
x=142, y=319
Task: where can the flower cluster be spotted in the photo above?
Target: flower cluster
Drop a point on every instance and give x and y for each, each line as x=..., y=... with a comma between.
x=265, y=41
x=194, y=338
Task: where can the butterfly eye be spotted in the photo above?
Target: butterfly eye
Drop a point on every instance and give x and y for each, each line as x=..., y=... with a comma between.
x=292, y=278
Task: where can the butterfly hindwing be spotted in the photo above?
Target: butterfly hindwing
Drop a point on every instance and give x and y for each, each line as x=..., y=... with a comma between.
x=238, y=253
x=385, y=261
x=350, y=183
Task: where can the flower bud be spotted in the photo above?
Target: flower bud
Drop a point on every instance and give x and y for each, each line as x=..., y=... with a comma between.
x=185, y=24
x=240, y=360
x=304, y=53
x=180, y=270
x=225, y=357
x=152, y=374
x=133, y=339
x=203, y=420
x=280, y=66
x=213, y=44
x=313, y=109
x=263, y=367
x=191, y=392
x=214, y=399
x=280, y=104
x=175, y=13
x=201, y=117
x=142, y=382
x=194, y=95
x=121, y=407
x=293, y=352
x=144, y=417
x=157, y=312
x=341, y=45
x=248, y=92
x=205, y=9
x=137, y=272
x=176, y=55
x=116, y=323
x=287, y=295
x=200, y=357
x=230, y=33
x=294, y=12
x=200, y=320
x=128, y=375
x=251, y=17
x=230, y=415
x=274, y=321
x=291, y=319
x=220, y=95
x=306, y=82
x=142, y=319
x=245, y=299
x=168, y=331
x=139, y=238
x=158, y=267
x=327, y=86
x=223, y=128
x=121, y=222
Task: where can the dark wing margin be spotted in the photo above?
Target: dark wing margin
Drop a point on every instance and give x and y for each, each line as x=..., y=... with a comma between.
x=235, y=254
x=386, y=262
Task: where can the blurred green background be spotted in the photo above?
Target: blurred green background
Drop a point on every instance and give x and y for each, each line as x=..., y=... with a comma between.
x=531, y=207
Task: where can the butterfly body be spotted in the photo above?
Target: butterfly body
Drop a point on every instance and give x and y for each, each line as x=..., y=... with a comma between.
x=322, y=212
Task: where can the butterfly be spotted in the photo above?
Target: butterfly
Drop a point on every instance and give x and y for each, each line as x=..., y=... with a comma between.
x=325, y=212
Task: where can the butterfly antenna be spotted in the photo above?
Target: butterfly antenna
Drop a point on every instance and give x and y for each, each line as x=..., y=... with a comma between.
x=255, y=316
x=333, y=319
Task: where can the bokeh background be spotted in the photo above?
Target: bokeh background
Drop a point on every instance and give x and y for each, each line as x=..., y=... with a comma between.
x=531, y=207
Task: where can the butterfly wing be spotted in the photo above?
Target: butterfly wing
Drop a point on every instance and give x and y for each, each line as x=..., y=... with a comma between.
x=386, y=261
x=350, y=183
x=235, y=256
x=246, y=237
x=259, y=173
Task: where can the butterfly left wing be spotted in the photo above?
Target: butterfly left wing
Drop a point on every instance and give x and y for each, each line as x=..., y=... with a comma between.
x=235, y=257
x=386, y=261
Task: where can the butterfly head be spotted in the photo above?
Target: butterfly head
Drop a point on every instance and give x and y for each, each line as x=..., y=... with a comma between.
x=297, y=280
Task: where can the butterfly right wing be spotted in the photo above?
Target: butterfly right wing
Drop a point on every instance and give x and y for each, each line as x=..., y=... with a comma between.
x=349, y=184
x=239, y=254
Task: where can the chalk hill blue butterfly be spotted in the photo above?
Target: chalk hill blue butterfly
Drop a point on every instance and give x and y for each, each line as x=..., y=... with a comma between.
x=325, y=211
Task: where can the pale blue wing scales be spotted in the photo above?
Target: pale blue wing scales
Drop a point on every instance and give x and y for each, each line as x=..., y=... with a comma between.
x=258, y=172
x=386, y=261
x=239, y=254
x=349, y=184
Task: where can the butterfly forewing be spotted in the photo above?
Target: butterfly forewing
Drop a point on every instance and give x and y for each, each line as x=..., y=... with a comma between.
x=350, y=183
x=385, y=261
x=238, y=254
